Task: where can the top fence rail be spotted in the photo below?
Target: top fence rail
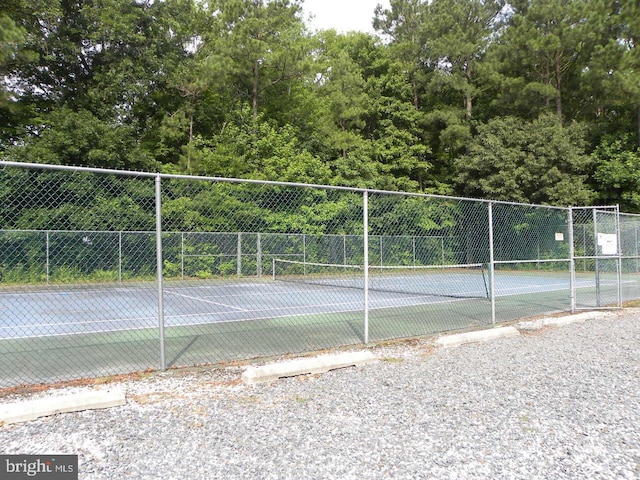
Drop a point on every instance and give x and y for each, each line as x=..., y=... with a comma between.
x=130, y=173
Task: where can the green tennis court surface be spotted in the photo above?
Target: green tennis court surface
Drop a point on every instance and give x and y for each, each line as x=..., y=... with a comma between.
x=67, y=332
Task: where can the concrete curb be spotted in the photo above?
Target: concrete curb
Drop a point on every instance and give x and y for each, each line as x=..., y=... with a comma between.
x=42, y=407
x=291, y=368
x=564, y=320
x=580, y=317
x=478, y=336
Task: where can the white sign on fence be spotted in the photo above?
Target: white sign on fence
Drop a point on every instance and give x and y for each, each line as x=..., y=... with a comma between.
x=608, y=242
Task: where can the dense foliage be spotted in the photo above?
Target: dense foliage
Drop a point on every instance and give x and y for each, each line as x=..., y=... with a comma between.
x=526, y=100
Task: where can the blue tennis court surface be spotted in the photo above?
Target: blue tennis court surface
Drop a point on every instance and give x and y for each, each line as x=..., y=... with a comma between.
x=75, y=310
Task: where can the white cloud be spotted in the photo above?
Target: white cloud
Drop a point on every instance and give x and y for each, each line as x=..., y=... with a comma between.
x=342, y=15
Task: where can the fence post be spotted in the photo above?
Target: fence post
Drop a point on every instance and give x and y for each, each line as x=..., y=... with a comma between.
x=619, y=260
x=365, y=221
x=120, y=257
x=595, y=246
x=163, y=362
x=572, y=264
x=635, y=231
x=584, y=247
x=47, y=253
x=492, y=285
x=239, y=267
x=182, y=255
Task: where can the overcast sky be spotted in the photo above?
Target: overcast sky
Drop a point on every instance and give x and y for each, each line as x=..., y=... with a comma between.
x=343, y=15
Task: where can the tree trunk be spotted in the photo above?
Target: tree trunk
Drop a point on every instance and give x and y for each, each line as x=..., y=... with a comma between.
x=254, y=91
x=468, y=98
x=639, y=125
x=558, y=75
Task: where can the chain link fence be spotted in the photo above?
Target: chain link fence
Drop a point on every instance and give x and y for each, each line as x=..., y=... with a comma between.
x=105, y=272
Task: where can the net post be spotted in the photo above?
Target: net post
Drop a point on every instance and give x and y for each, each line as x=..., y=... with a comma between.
x=163, y=362
x=273, y=269
x=492, y=289
x=365, y=233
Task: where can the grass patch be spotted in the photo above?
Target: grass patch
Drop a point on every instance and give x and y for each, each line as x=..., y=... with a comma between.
x=393, y=360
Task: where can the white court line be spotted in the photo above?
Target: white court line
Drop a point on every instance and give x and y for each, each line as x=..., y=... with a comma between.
x=66, y=334
x=183, y=315
x=264, y=317
x=356, y=308
x=207, y=301
x=533, y=289
x=512, y=292
x=86, y=322
x=151, y=288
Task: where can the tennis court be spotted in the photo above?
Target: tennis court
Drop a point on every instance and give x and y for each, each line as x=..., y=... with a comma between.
x=107, y=272
x=69, y=310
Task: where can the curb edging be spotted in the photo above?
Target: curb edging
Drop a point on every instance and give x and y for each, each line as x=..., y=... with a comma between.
x=42, y=407
x=302, y=366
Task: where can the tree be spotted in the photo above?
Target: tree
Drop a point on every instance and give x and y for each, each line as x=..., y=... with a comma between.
x=398, y=91
x=543, y=51
x=343, y=102
x=629, y=73
x=10, y=38
x=107, y=61
x=617, y=173
x=265, y=41
x=138, y=48
x=402, y=24
x=80, y=138
x=538, y=162
x=256, y=149
x=458, y=33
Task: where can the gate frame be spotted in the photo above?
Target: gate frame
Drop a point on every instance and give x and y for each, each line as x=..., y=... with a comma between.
x=606, y=209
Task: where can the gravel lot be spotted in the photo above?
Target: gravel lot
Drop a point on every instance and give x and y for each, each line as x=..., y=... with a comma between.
x=552, y=403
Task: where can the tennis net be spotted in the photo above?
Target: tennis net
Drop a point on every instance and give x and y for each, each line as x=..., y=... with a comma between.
x=454, y=281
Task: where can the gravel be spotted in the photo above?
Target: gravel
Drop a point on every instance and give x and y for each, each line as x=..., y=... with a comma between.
x=560, y=403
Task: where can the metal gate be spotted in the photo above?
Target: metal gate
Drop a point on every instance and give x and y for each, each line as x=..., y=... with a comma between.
x=596, y=265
